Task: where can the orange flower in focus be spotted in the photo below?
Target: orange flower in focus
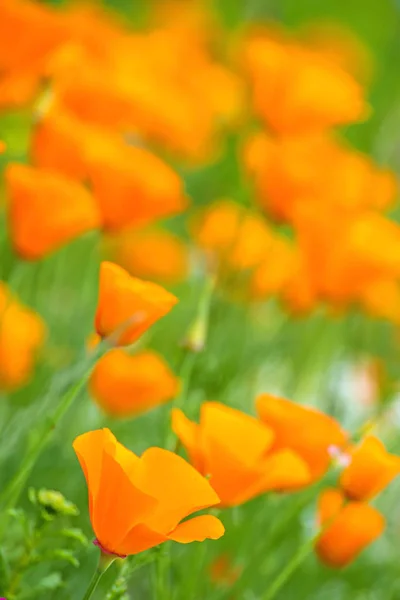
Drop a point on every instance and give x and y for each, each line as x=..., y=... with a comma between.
x=128, y=304
x=22, y=334
x=371, y=469
x=349, y=528
x=307, y=431
x=239, y=238
x=46, y=210
x=125, y=385
x=136, y=503
x=234, y=450
x=155, y=254
x=297, y=90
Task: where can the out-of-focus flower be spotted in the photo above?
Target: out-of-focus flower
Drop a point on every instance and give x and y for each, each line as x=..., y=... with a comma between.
x=347, y=528
x=298, y=90
x=370, y=470
x=136, y=503
x=46, y=210
x=153, y=253
x=2, y=147
x=223, y=572
x=289, y=172
x=276, y=270
x=235, y=451
x=128, y=306
x=307, y=431
x=22, y=335
x=238, y=238
x=125, y=385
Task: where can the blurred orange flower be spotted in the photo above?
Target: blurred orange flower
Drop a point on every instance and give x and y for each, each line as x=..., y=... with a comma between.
x=223, y=572
x=235, y=450
x=276, y=270
x=2, y=147
x=153, y=253
x=125, y=385
x=236, y=236
x=46, y=210
x=349, y=528
x=128, y=304
x=136, y=503
x=298, y=90
x=22, y=335
x=370, y=470
x=305, y=430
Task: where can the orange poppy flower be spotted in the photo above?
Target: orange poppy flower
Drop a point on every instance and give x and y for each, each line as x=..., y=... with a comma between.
x=2, y=147
x=125, y=385
x=153, y=253
x=371, y=469
x=239, y=238
x=46, y=210
x=298, y=90
x=307, y=431
x=129, y=304
x=234, y=450
x=22, y=334
x=276, y=270
x=349, y=528
x=136, y=503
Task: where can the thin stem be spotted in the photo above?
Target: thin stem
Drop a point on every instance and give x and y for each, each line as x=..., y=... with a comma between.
x=290, y=568
x=93, y=584
x=15, y=487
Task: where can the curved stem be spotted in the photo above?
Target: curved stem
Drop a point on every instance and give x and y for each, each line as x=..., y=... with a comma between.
x=290, y=568
x=93, y=584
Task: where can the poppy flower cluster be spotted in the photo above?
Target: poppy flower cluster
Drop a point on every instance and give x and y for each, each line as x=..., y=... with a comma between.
x=349, y=523
x=306, y=176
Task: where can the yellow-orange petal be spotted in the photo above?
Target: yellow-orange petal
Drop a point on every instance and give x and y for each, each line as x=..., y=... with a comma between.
x=355, y=527
x=139, y=539
x=371, y=469
x=125, y=385
x=307, y=431
x=198, y=529
x=128, y=306
x=116, y=503
x=46, y=210
x=188, y=433
x=2, y=147
x=178, y=487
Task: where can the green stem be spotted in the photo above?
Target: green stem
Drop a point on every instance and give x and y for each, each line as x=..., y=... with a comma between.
x=93, y=584
x=105, y=561
x=291, y=567
x=12, y=492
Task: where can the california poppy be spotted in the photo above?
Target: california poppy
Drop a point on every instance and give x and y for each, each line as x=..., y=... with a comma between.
x=235, y=450
x=298, y=90
x=22, y=334
x=125, y=385
x=153, y=253
x=136, y=503
x=46, y=210
x=305, y=430
x=128, y=306
x=347, y=528
x=370, y=470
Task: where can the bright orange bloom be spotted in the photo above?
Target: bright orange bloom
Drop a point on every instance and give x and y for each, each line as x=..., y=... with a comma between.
x=371, y=469
x=2, y=147
x=136, y=503
x=276, y=270
x=128, y=304
x=349, y=528
x=307, y=431
x=154, y=254
x=235, y=450
x=240, y=239
x=46, y=210
x=125, y=385
x=22, y=334
x=297, y=90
